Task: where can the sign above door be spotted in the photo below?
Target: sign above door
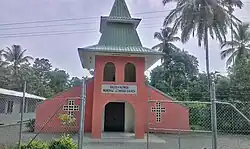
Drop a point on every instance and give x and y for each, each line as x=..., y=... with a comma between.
x=119, y=89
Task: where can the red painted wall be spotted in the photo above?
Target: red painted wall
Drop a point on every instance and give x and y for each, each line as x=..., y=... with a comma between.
x=137, y=101
x=48, y=112
x=175, y=117
x=89, y=105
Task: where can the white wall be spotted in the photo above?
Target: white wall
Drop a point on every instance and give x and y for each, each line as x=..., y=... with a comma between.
x=16, y=103
x=103, y=114
x=129, y=118
x=11, y=118
x=14, y=118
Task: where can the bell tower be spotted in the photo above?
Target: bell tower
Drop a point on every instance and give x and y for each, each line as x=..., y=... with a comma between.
x=119, y=61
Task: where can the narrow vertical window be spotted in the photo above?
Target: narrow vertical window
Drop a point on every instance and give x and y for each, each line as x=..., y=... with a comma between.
x=10, y=105
x=129, y=73
x=109, y=72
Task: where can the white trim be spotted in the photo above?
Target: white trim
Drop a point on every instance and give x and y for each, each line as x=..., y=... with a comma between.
x=19, y=94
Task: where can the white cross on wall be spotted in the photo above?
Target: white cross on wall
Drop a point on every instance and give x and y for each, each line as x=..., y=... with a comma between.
x=71, y=108
x=158, y=110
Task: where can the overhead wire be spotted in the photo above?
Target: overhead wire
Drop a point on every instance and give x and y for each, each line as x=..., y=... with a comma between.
x=27, y=34
x=60, y=32
x=65, y=24
x=75, y=24
x=49, y=33
x=80, y=18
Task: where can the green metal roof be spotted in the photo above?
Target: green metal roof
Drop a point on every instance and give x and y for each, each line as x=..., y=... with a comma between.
x=120, y=49
x=119, y=33
x=120, y=9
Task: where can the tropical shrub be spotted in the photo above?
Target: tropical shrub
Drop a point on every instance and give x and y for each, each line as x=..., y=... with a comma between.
x=67, y=120
x=35, y=144
x=65, y=142
x=199, y=115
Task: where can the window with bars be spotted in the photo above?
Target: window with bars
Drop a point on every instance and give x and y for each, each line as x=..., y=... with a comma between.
x=10, y=105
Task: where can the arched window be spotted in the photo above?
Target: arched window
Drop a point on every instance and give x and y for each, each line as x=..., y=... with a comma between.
x=130, y=73
x=109, y=72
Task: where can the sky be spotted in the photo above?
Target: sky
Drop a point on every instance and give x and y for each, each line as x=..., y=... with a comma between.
x=50, y=39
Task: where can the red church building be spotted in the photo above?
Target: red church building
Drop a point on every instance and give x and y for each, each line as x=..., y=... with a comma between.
x=117, y=95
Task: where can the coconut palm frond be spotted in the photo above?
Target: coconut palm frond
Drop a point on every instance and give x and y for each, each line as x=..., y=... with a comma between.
x=173, y=14
x=166, y=36
x=174, y=47
x=174, y=39
x=15, y=55
x=240, y=44
x=158, y=47
x=167, y=1
x=230, y=44
x=158, y=35
x=232, y=3
x=227, y=52
x=232, y=58
x=3, y=64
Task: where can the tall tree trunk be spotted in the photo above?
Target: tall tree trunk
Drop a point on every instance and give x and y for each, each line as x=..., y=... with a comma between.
x=15, y=85
x=232, y=37
x=207, y=60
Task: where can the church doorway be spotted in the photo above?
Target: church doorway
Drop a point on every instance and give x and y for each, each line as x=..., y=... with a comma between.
x=114, y=117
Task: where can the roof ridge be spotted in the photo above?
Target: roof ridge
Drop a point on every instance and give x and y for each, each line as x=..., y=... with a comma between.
x=19, y=94
x=120, y=9
x=121, y=49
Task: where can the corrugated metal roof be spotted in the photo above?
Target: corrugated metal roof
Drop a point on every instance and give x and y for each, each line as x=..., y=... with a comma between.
x=19, y=94
x=120, y=9
x=120, y=49
x=120, y=34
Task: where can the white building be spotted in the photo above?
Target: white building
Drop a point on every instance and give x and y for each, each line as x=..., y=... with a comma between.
x=10, y=106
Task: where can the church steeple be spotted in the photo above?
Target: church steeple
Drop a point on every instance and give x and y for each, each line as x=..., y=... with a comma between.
x=120, y=9
x=119, y=14
x=119, y=37
x=119, y=28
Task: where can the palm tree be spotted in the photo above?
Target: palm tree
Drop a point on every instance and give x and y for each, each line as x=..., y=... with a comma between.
x=3, y=63
x=230, y=4
x=239, y=47
x=166, y=38
x=15, y=56
x=3, y=71
x=205, y=18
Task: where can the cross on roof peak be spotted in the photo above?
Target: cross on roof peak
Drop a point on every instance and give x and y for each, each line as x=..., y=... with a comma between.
x=120, y=9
